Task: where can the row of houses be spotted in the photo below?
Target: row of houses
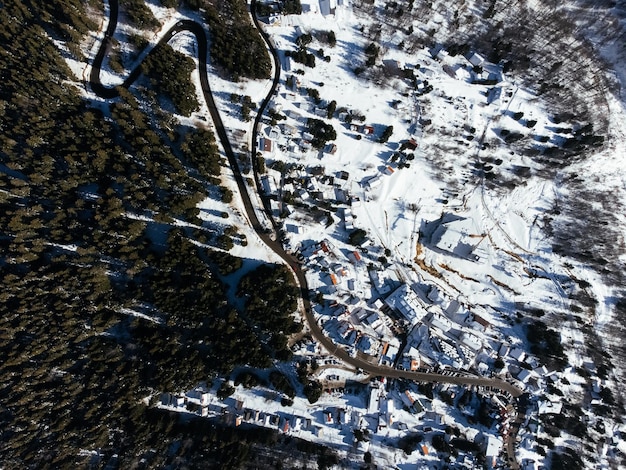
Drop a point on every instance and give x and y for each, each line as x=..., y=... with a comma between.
x=233, y=412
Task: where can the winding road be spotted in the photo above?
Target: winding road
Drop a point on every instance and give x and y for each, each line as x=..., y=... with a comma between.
x=201, y=36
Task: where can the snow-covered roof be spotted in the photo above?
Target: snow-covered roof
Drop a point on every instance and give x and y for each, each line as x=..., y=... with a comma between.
x=406, y=302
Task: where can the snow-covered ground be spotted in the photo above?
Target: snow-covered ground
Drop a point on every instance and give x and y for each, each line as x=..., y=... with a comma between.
x=448, y=207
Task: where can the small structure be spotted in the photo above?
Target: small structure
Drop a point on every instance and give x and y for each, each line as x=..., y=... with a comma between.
x=267, y=145
x=404, y=300
x=475, y=59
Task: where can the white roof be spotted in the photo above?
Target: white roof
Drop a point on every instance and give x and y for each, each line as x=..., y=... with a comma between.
x=405, y=300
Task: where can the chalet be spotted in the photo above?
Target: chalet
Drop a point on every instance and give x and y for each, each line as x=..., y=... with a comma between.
x=341, y=195
x=267, y=145
x=471, y=341
x=354, y=257
x=286, y=63
x=330, y=149
x=405, y=301
x=348, y=219
x=268, y=184
x=367, y=130
x=374, y=181
x=306, y=107
x=438, y=52
x=288, y=129
x=317, y=171
x=274, y=133
x=393, y=65
x=440, y=322
x=449, y=70
x=459, y=237
x=475, y=59
x=328, y=7
x=517, y=354
x=481, y=321
x=374, y=401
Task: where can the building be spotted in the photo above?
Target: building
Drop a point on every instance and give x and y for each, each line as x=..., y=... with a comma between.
x=405, y=301
x=459, y=237
x=267, y=145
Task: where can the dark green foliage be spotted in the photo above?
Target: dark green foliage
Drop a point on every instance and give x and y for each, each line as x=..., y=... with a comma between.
x=303, y=40
x=409, y=442
x=200, y=150
x=302, y=57
x=281, y=383
x=440, y=444
x=568, y=460
x=170, y=73
x=139, y=14
x=357, y=236
x=314, y=93
x=371, y=51
x=247, y=379
x=330, y=109
x=546, y=343
x=386, y=134
x=321, y=132
x=292, y=7
x=246, y=106
x=225, y=391
x=331, y=38
x=236, y=45
x=103, y=302
x=271, y=301
x=226, y=263
x=313, y=391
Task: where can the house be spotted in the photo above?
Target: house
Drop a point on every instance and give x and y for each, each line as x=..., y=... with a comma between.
x=367, y=130
x=374, y=401
x=517, y=354
x=354, y=257
x=267, y=145
x=458, y=236
x=374, y=181
x=328, y=7
x=475, y=59
x=471, y=341
x=288, y=129
x=330, y=149
x=405, y=301
x=481, y=321
x=524, y=376
x=286, y=63
x=494, y=446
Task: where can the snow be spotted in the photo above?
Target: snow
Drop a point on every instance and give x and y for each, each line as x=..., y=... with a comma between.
x=445, y=233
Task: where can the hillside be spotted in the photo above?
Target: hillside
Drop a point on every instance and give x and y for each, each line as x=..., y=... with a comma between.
x=449, y=180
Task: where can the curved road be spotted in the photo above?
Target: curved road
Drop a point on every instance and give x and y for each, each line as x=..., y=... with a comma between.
x=339, y=352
